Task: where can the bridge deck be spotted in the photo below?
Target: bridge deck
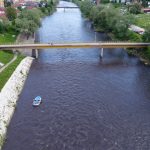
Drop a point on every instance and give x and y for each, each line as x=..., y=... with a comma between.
x=66, y=7
x=76, y=45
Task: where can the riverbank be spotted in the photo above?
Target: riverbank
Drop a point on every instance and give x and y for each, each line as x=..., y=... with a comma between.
x=9, y=95
x=115, y=23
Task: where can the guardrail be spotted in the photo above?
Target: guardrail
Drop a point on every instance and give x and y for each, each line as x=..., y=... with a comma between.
x=76, y=45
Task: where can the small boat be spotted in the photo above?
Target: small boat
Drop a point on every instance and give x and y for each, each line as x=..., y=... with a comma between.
x=37, y=101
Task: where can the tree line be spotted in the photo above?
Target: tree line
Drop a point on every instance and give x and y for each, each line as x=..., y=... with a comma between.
x=112, y=20
x=25, y=21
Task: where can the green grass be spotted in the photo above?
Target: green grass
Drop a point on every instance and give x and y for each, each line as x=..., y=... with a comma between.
x=6, y=56
x=8, y=38
x=142, y=20
x=5, y=75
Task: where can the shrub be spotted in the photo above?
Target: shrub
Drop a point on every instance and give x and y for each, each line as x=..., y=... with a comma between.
x=135, y=8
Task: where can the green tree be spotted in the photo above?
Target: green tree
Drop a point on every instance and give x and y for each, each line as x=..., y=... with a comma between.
x=28, y=27
x=28, y=21
x=144, y=3
x=86, y=7
x=7, y=3
x=120, y=29
x=135, y=8
x=11, y=13
x=94, y=12
x=33, y=14
x=1, y=27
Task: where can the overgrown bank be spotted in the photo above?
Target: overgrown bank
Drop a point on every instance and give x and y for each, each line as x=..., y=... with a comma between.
x=115, y=21
x=25, y=22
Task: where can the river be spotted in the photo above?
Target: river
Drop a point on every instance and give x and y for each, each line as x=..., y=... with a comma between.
x=88, y=103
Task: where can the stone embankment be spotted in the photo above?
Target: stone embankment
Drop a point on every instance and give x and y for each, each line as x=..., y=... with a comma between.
x=22, y=39
x=10, y=93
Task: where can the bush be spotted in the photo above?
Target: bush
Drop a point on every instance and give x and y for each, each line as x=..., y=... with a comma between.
x=11, y=13
x=135, y=8
x=132, y=36
x=146, y=35
x=104, y=1
x=1, y=27
x=86, y=7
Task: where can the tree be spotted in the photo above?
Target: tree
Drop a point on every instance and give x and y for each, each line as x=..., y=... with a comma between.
x=7, y=3
x=28, y=27
x=33, y=14
x=28, y=21
x=135, y=8
x=144, y=3
x=120, y=29
x=1, y=27
x=86, y=7
x=11, y=13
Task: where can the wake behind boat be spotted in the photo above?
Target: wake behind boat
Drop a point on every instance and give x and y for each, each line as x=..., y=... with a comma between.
x=37, y=101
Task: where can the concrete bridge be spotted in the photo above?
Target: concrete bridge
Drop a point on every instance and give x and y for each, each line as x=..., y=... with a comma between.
x=67, y=7
x=101, y=45
x=70, y=7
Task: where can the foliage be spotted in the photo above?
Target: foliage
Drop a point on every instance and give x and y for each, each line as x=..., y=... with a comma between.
x=11, y=13
x=135, y=37
x=144, y=3
x=26, y=26
x=86, y=7
x=146, y=35
x=104, y=1
x=1, y=27
x=5, y=75
x=5, y=56
x=147, y=53
x=109, y=19
x=33, y=14
x=8, y=37
x=28, y=21
x=120, y=29
x=7, y=3
x=142, y=20
x=135, y=8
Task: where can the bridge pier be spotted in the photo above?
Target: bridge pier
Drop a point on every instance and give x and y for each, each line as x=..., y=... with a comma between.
x=35, y=53
x=101, y=53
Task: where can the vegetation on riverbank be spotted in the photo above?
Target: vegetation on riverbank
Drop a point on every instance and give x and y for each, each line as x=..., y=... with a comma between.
x=115, y=20
x=6, y=56
x=5, y=75
x=26, y=22
x=142, y=20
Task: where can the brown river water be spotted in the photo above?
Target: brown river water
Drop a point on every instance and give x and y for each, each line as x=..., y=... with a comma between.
x=88, y=103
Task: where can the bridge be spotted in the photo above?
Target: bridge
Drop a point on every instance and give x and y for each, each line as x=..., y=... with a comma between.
x=101, y=45
x=67, y=7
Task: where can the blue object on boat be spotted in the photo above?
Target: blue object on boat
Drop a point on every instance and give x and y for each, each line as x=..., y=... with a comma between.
x=37, y=101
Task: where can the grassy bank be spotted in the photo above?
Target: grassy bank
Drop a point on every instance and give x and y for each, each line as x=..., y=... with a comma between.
x=7, y=38
x=6, y=56
x=142, y=20
x=115, y=22
x=5, y=75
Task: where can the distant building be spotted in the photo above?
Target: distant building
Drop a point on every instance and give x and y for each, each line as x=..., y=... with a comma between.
x=2, y=11
x=121, y=1
x=2, y=3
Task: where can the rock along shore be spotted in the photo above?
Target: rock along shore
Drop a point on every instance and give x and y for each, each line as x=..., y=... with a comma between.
x=10, y=94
